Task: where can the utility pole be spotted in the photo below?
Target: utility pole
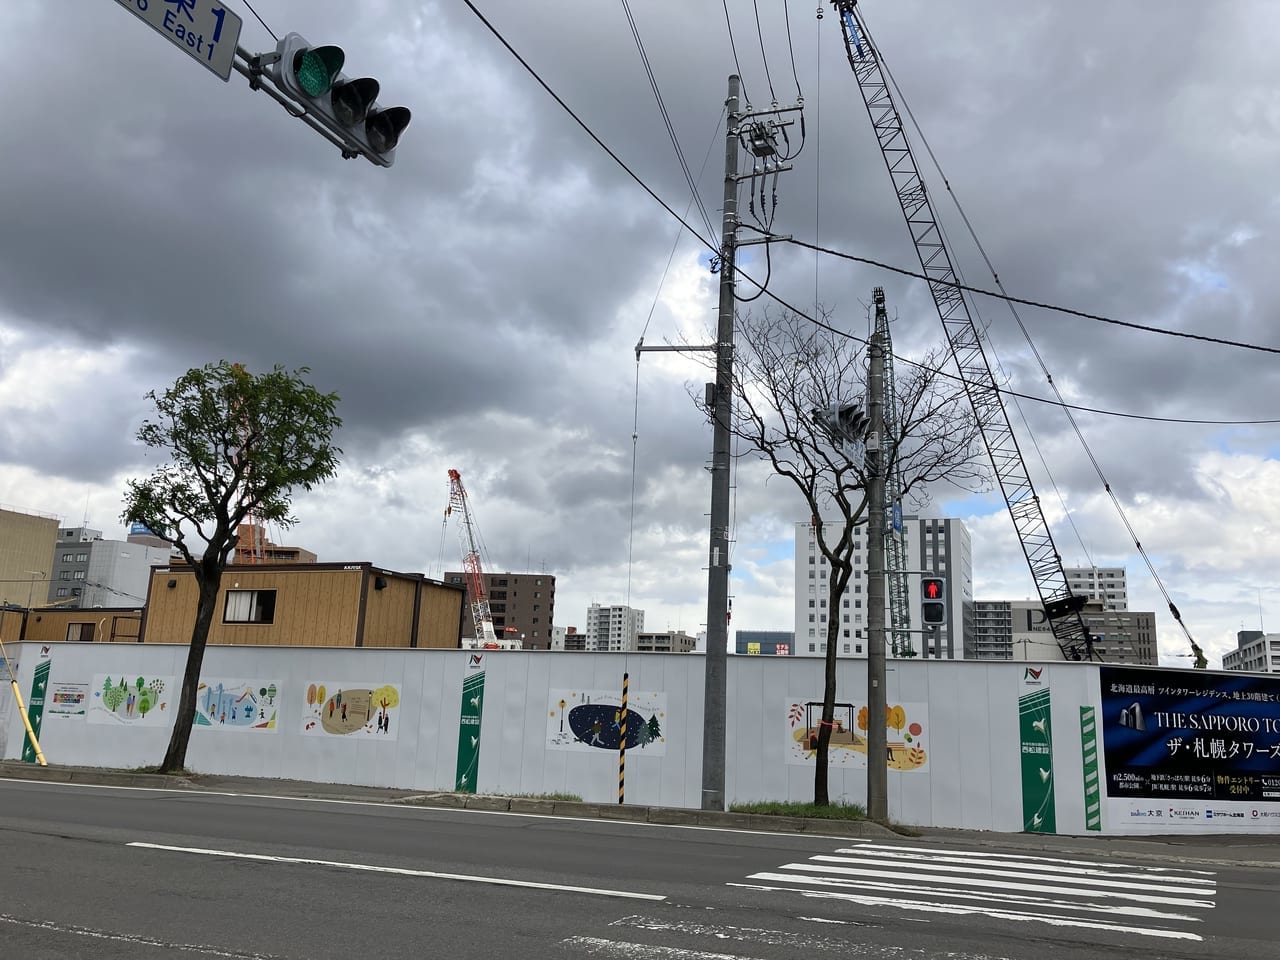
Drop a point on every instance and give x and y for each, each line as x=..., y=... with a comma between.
x=715, y=678
x=877, y=735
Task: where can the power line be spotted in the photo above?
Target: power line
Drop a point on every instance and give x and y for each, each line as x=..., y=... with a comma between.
x=1033, y=303
x=586, y=129
x=261, y=21
x=764, y=56
x=732, y=46
x=666, y=118
x=794, y=76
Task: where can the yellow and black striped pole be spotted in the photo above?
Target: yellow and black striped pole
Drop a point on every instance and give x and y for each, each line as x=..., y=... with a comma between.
x=622, y=741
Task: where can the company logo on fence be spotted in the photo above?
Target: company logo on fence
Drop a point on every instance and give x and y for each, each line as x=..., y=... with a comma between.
x=1032, y=673
x=1183, y=813
x=475, y=659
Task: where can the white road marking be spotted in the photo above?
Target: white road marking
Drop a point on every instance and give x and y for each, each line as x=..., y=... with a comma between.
x=1018, y=860
x=958, y=909
x=722, y=931
x=597, y=947
x=401, y=871
x=135, y=938
x=1012, y=881
x=1156, y=902
x=1039, y=903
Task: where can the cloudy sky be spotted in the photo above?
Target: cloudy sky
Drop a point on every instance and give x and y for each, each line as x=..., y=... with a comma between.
x=477, y=305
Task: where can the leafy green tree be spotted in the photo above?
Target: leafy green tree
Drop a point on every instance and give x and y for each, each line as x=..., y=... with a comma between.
x=238, y=445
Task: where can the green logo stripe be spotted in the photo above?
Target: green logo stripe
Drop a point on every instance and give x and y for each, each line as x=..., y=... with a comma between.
x=1092, y=783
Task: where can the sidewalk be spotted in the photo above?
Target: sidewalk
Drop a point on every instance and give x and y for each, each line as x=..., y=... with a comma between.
x=1259, y=850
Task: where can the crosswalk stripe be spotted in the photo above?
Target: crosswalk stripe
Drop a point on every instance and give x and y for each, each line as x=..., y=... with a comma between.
x=1099, y=878
x=1003, y=884
x=1042, y=903
x=1128, y=898
x=951, y=908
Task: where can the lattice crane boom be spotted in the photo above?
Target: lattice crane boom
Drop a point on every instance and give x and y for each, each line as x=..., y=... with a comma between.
x=895, y=535
x=1062, y=609
x=481, y=616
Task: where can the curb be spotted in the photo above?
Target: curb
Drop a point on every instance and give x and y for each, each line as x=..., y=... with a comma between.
x=658, y=816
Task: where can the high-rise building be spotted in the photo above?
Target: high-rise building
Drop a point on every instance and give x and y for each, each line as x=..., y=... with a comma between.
x=87, y=571
x=941, y=546
x=1255, y=651
x=1104, y=584
x=613, y=628
x=522, y=604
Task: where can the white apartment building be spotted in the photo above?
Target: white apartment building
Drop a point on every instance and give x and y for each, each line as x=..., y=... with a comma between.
x=1256, y=652
x=613, y=628
x=1105, y=584
x=87, y=571
x=942, y=546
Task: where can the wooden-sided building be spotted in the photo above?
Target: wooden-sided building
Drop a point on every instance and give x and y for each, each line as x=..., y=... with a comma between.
x=307, y=605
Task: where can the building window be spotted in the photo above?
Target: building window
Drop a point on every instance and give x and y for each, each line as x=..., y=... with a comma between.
x=63, y=591
x=811, y=618
x=811, y=603
x=858, y=648
x=82, y=558
x=811, y=648
x=846, y=648
x=80, y=632
x=79, y=575
x=813, y=575
x=65, y=575
x=824, y=603
x=250, y=606
x=68, y=557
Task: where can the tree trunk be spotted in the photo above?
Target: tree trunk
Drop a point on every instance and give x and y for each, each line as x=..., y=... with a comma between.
x=175, y=757
x=821, y=795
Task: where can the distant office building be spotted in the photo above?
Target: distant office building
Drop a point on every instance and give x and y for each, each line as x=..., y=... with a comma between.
x=669, y=641
x=1256, y=652
x=572, y=640
x=1122, y=636
x=613, y=628
x=26, y=544
x=992, y=637
x=87, y=571
x=522, y=604
x=1107, y=585
x=1119, y=636
x=765, y=643
x=940, y=546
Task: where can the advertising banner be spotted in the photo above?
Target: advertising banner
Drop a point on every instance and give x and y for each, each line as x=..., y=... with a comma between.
x=1035, y=735
x=1186, y=747
x=469, y=717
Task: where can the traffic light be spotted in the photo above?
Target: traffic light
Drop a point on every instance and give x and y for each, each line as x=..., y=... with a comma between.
x=933, y=600
x=344, y=106
x=844, y=421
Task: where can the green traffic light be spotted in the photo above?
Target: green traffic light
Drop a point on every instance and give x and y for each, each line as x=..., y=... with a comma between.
x=317, y=67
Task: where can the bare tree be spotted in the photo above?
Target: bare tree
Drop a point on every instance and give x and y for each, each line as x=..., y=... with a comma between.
x=787, y=368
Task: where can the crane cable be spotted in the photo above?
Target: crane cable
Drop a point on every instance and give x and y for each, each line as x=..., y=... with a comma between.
x=1201, y=662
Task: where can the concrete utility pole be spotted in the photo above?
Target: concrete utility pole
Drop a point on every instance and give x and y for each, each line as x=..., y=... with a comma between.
x=877, y=737
x=713, y=705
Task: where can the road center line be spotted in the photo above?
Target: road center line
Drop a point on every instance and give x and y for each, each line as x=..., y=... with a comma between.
x=401, y=871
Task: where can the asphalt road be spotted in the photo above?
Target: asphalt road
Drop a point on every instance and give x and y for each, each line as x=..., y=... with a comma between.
x=109, y=872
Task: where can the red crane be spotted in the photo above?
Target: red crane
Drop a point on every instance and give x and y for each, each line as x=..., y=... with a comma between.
x=481, y=617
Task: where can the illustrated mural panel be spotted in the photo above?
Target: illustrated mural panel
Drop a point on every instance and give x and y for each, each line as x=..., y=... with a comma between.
x=132, y=700
x=906, y=726
x=333, y=708
x=588, y=721
x=237, y=705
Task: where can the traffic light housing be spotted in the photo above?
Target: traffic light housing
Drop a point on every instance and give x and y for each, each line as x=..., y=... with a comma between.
x=933, y=600
x=347, y=107
x=846, y=422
